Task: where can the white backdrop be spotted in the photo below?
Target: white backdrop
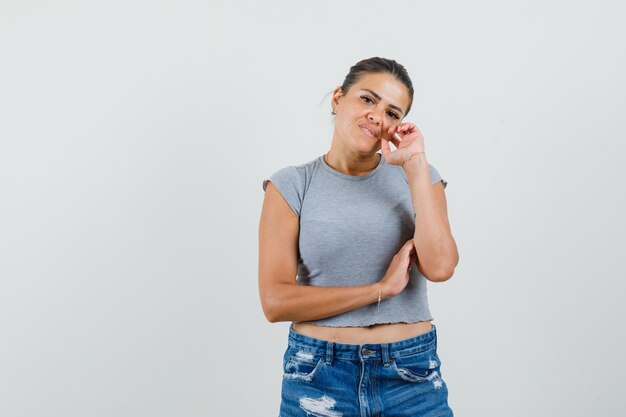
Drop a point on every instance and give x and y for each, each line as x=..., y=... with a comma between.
x=134, y=139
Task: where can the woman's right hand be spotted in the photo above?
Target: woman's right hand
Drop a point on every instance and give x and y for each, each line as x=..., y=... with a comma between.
x=397, y=276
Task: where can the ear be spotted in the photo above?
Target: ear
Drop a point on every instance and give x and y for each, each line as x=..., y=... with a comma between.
x=337, y=94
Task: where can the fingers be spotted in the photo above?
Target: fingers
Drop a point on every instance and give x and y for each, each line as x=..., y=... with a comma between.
x=384, y=147
x=412, y=260
x=408, y=246
x=385, y=142
x=393, y=134
x=392, y=130
x=403, y=128
x=409, y=251
x=395, y=139
x=405, y=251
x=399, y=132
x=406, y=128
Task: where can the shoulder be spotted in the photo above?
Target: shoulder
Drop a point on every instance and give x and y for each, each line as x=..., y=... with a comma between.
x=296, y=175
x=291, y=182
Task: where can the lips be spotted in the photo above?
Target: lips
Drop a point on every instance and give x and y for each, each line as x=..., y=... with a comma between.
x=369, y=131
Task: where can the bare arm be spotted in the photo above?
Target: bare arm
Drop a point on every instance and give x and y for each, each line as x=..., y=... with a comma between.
x=281, y=298
x=437, y=254
x=290, y=302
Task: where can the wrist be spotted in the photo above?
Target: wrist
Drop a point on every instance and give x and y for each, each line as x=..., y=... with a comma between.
x=414, y=162
x=381, y=290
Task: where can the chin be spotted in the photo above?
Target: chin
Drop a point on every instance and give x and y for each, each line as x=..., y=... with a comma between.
x=363, y=149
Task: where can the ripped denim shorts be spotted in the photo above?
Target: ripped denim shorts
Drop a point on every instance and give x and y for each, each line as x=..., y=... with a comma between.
x=402, y=378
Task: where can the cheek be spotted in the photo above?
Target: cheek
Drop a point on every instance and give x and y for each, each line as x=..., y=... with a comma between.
x=347, y=126
x=395, y=122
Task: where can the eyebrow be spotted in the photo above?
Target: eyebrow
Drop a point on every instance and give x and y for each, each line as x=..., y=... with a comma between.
x=393, y=106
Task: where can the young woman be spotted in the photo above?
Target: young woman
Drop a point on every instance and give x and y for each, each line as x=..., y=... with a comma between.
x=338, y=239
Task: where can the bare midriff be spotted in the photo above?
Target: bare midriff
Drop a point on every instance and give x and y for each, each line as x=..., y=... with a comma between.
x=376, y=333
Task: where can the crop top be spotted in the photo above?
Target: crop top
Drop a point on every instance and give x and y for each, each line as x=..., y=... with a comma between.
x=350, y=229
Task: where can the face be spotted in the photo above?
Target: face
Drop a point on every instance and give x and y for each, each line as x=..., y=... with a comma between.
x=365, y=112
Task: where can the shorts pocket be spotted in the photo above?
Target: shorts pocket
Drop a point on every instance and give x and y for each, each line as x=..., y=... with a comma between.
x=419, y=367
x=300, y=364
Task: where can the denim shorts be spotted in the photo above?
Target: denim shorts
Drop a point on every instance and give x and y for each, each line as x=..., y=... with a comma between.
x=401, y=378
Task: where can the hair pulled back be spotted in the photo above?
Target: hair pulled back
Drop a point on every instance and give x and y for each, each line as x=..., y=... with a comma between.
x=379, y=65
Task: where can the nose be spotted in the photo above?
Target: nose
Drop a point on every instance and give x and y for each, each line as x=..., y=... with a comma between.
x=374, y=117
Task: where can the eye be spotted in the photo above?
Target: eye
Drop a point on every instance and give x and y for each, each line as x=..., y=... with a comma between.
x=392, y=114
x=367, y=99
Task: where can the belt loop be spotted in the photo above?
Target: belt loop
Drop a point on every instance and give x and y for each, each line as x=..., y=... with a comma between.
x=329, y=353
x=385, y=351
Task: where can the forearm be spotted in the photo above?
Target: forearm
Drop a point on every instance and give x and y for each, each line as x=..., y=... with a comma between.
x=436, y=249
x=288, y=302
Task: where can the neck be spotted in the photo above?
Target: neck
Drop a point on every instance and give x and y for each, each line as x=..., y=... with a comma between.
x=352, y=164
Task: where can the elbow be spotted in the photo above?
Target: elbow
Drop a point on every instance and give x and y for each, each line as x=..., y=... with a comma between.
x=269, y=305
x=440, y=275
x=444, y=269
x=269, y=311
x=275, y=301
x=270, y=317
x=274, y=316
x=441, y=272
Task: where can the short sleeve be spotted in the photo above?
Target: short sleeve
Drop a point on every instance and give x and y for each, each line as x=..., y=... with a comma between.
x=290, y=185
x=435, y=177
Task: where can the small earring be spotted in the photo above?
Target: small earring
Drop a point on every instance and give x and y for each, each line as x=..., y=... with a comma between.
x=333, y=112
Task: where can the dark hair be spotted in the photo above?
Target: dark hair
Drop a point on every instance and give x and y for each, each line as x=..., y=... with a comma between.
x=379, y=65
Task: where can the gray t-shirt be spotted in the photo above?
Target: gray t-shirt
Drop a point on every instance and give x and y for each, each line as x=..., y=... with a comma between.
x=350, y=229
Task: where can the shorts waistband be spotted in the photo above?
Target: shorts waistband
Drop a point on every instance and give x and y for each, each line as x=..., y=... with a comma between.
x=397, y=349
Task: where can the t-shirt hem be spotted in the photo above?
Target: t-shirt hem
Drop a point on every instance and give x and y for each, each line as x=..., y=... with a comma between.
x=365, y=324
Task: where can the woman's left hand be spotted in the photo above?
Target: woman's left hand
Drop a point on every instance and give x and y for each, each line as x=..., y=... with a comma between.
x=412, y=142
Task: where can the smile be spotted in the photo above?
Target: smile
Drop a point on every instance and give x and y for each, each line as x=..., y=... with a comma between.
x=367, y=132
